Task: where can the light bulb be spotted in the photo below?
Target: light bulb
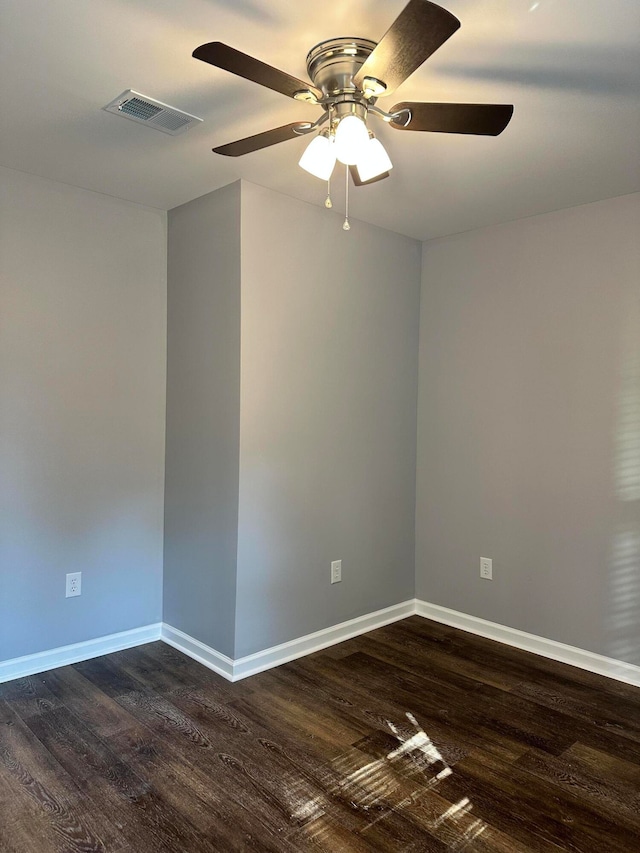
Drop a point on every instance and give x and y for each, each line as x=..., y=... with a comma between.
x=373, y=160
x=319, y=157
x=351, y=137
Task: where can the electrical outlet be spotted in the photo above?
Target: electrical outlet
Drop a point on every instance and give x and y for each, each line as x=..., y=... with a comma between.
x=336, y=571
x=486, y=568
x=74, y=584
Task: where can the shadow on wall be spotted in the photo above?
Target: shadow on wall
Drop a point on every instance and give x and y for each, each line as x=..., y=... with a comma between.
x=623, y=618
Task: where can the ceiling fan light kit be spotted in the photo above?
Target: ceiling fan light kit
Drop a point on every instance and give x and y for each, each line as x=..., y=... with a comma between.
x=373, y=161
x=351, y=137
x=319, y=157
x=349, y=75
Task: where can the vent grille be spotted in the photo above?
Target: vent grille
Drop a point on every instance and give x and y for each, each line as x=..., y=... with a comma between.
x=137, y=107
x=172, y=121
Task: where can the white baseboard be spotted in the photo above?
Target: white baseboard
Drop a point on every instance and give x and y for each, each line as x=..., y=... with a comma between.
x=65, y=655
x=276, y=655
x=592, y=662
x=234, y=670
x=200, y=652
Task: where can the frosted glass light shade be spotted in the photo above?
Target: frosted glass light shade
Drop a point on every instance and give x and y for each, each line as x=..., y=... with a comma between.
x=373, y=160
x=351, y=137
x=319, y=157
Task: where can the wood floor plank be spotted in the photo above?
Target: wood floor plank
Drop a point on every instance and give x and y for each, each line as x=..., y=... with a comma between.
x=407, y=650
x=614, y=714
x=611, y=768
x=359, y=701
x=211, y=809
x=97, y=711
x=324, y=834
x=40, y=803
x=449, y=718
x=144, y=817
x=504, y=717
x=214, y=750
x=609, y=798
x=508, y=796
x=289, y=721
x=30, y=695
x=414, y=738
x=273, y=766
x=326, y=718
x=108, y=677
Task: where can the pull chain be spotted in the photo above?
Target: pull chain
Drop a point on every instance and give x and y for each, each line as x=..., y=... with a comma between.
x=327, y=202
x=345, y=224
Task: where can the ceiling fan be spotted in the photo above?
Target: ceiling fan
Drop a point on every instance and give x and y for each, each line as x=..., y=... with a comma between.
x=349, y=75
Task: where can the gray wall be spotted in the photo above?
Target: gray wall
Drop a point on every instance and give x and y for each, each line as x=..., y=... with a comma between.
x=291, y=419
x=203, y=411
x=82, y=382
x=328, y=418
x=529, y=425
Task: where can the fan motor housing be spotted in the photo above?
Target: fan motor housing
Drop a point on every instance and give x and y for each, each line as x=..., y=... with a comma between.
x=332, y=64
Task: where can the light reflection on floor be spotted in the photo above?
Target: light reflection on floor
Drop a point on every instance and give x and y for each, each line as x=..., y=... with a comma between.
x=403, y=781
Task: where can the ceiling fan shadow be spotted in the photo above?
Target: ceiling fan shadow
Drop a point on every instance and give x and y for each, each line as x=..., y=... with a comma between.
x=248, y=9
x=233, y=99
x=561, y=67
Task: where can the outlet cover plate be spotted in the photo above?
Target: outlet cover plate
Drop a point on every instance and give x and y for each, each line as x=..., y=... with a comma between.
x=336, y=571
x=486, y=568
x=74, y=584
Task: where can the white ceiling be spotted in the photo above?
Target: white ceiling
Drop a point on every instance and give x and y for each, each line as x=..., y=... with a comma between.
x=570, y=67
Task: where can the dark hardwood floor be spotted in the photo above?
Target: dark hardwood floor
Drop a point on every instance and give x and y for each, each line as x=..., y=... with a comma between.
x=415, y=737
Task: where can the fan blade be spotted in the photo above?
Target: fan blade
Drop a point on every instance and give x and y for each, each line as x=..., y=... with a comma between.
x=262, y=140
x=479, y=119
x=355, y=177
x=222, y=56
x=417, y=32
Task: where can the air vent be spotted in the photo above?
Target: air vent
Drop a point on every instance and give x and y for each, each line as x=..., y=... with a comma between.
x=153, y=113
